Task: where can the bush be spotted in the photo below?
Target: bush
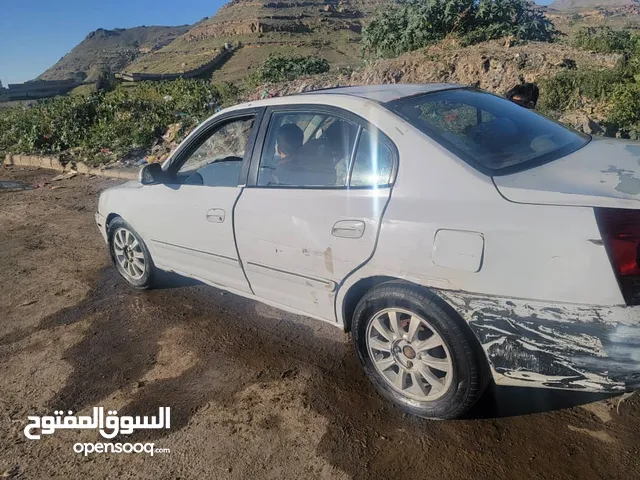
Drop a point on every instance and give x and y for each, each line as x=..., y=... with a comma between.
x=279, y=68
x=417, y=23
x=624, y=109
x=605, y=40
x=129, y=117
x=565, y=90
x=229, y=93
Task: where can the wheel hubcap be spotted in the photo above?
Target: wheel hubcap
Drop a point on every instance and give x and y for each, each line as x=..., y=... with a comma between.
x=409, y=354
x=129, y=254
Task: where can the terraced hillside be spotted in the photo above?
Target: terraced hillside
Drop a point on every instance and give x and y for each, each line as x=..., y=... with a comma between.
x=330, y=29
x=108, y=51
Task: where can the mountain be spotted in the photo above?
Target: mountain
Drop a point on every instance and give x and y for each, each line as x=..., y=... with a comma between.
x=327, y=28
x=579, y=4
x=109, y=51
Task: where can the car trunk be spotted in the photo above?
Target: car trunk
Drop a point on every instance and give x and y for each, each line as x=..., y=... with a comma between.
x=604, y=173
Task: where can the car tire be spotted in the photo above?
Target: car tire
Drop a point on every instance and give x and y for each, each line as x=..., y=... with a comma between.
x=431, y=365
x=130, y=255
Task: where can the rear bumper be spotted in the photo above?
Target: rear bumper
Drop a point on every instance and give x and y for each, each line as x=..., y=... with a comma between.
x=593, y=348
x=102, y=225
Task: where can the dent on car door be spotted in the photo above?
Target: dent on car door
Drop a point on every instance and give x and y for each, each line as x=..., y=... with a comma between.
x=311, y=212
x=190, y=225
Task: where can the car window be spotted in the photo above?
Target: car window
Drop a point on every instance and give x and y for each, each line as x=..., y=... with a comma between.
x=306, y=150
x=218, y=160
x=373, y=162
x=451, y=116
x=488, y=131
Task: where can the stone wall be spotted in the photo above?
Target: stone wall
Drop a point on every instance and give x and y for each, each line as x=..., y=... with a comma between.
x=150, y=77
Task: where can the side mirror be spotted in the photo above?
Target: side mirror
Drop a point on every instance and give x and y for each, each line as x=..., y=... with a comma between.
x=151, y=174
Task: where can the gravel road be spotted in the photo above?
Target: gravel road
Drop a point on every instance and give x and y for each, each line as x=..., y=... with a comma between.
x=254, y=392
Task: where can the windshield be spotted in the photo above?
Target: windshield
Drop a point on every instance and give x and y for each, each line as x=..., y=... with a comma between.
x=491, y=133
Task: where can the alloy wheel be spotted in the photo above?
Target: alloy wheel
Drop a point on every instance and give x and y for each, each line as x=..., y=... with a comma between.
x=409, y=354
x=129, y=254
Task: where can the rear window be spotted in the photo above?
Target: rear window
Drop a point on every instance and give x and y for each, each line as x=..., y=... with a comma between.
x=491, y=133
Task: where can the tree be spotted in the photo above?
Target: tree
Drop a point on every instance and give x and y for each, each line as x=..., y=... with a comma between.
x=414, y=24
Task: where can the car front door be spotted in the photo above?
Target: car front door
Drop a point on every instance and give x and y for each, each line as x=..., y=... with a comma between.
x=317, y=189
x=188, y=220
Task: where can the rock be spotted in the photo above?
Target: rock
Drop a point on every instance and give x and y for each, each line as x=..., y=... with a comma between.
x=82, y=167
x=13, y=472
x=56, y=164
x=64, y=176
x=582, y=122
x=521, y=60
x=172, y=132
x=290, y=373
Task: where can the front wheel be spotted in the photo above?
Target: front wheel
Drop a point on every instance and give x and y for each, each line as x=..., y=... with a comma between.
x=130, y=254
x=417, y=352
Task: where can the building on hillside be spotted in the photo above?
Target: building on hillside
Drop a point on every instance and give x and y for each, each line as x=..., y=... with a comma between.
x=40, y=89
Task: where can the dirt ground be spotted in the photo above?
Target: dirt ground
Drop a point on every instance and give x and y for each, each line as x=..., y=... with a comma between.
x=254, y=392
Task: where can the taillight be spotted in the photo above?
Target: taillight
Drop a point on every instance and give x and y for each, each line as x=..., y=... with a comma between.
x=620, y=230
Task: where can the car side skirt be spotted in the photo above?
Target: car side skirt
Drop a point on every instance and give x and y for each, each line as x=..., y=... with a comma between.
x=248, y=295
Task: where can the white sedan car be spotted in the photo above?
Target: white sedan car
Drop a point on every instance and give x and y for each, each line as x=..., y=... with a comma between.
x=459, y=237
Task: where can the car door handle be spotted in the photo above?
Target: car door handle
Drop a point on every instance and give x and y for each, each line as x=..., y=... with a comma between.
x=215, y=215
x=348, y=229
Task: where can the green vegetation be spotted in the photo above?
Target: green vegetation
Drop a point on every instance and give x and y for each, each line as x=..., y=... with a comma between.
x=606, y=40
x=118, y=121
x=567, y=89
x=279, y=68
x=417, y=23
x=624, y=109
x=103, y=125
x=616, y=90
x=84, y=90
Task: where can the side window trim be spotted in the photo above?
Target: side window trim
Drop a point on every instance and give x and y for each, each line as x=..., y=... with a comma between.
x=188, y=147
x=252, y=179
x=354, y=151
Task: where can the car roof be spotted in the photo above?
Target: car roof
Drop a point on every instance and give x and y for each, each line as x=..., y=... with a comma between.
x=384, y=93
x=380, y=94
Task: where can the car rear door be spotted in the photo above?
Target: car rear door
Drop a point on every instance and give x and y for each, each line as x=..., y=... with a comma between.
x=307, y=220
x=187, y=221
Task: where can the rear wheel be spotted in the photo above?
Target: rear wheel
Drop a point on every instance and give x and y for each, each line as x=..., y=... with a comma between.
x=130, y=255
x=418, y=353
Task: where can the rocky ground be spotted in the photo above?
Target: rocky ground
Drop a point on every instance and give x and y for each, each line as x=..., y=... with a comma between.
x=254, y=392
x=496, y=66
